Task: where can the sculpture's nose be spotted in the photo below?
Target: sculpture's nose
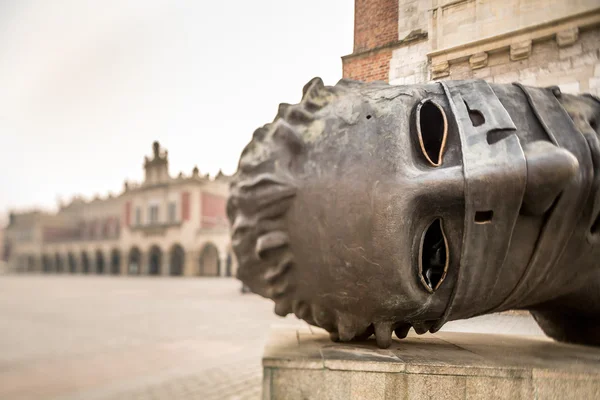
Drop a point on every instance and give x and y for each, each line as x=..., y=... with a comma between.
x=443, y=184
x=549, y=170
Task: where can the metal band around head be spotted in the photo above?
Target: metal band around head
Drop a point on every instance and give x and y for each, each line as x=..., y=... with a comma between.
x=495, y=175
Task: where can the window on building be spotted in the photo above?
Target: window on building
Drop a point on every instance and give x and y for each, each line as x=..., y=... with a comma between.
x=138, y=216
x=105, y=228
x=93, y=229
x=153, y=214
x=111, y=230
x=172, y=211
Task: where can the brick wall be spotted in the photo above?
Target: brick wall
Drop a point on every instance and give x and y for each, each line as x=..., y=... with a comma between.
x=368, y=68
x=375, y=27
x=375, y=23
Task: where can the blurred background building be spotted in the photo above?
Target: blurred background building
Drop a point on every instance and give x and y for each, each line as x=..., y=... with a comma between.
x=3, y=243
x=177, y=226
x=534, y=42
x=162, y=226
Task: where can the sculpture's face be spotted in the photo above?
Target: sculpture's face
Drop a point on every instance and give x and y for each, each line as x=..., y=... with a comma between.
x=384, y=214
x=350, y=209
x=380, y=189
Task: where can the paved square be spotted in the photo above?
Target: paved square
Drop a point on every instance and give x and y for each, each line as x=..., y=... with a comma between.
x=95, y=337
x=90, y=337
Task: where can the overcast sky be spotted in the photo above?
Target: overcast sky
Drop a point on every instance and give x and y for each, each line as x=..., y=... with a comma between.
x=86, y=86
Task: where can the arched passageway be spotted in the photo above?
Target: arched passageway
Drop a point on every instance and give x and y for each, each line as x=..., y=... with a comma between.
x=31, y=264
x=228, y=266
x=99, y=262
x=176, y=260
x=85, y=263
x=115, y=262
x=154, y=260
x=46, y=263
x=134, y=261
x=209, y=261
x=72, y=263
x=21, y=263
x=59, y=263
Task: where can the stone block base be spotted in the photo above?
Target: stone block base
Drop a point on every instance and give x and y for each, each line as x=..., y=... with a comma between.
x=304, y=364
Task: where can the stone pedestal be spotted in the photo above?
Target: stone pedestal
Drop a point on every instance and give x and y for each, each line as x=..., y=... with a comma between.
x=303, y=364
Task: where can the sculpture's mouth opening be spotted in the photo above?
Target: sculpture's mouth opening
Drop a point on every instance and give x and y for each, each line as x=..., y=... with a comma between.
x=433, y=256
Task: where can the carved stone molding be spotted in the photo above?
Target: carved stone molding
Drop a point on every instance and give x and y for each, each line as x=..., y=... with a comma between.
x=478, y=60
x=562, y=30
x=440, y=70
x=520, y=51
x=567, y=37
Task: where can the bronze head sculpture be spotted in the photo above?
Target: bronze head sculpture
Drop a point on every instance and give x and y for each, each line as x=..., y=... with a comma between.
x=370, y=209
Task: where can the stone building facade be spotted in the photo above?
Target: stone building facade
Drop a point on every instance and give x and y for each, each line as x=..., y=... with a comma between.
x=2, y=252
x=162, y=226
x=534, y=42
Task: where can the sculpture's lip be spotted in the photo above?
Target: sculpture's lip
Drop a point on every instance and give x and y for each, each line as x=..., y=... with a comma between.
x=594, y=183
x=568, y=214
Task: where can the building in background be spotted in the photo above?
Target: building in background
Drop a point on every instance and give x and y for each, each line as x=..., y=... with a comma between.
x=163, y=226
x=3, y=252
x=534, y=42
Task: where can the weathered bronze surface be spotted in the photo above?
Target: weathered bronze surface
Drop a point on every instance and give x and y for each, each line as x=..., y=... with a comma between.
x=369, y=208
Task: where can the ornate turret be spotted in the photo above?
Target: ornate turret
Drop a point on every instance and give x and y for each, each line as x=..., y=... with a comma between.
x=157, y=167
x=221, y=176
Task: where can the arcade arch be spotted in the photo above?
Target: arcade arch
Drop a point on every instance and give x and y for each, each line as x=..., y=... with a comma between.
x=58, y=263
x=176, y=260
x=46, y=263
x=209, y=263
x=134, y=261
x=100, y=262
x=115, y=262
x=85, y=263
x=154, y=260
x=72, y=263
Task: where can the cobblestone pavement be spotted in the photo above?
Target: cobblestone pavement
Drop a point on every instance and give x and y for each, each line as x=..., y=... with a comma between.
x=108, y=338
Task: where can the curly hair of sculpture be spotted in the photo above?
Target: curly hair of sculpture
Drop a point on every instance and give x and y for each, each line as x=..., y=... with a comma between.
x=369, y=208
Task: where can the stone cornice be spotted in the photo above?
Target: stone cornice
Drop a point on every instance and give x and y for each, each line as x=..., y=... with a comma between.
x=156, y=229
x=200, y=180
x=503, y=41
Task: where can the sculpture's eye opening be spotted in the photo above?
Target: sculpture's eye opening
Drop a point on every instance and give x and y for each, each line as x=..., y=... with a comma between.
x=432, y=129
x=433, y=256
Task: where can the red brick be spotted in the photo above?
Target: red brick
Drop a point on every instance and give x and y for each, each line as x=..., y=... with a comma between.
x=375, y=23
x=369, y=67
x=375, y=29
